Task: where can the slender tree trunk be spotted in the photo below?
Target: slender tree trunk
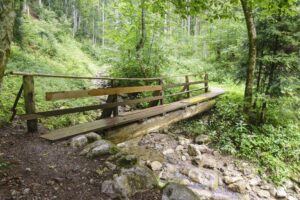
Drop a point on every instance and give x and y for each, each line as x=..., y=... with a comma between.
x=252, y=54
x=141, y=42
x=103, y=22
x=7, y=18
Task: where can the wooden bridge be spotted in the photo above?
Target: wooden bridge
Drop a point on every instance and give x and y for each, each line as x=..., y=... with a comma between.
x=160, y=103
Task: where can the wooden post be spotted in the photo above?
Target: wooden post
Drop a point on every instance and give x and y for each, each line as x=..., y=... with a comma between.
x=206, y=82
x=187, y=86
x=28, y=85
x=115, y=109
x=162, y=92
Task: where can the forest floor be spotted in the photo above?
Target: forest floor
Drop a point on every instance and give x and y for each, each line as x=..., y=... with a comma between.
x=38, y=169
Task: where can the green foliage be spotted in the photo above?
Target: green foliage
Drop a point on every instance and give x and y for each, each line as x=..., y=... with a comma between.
x=3, y=165
x=274, y=146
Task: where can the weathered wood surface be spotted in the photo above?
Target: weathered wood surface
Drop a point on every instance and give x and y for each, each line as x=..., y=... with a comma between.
x=86, y=108
x=14, y=108
x=121, y=120
x=28, y=87
x=137, y=129
x=50, y=96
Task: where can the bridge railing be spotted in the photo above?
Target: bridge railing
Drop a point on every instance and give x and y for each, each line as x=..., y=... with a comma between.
x=158, y=88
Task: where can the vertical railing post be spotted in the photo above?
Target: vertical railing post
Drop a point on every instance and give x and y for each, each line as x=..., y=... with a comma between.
x=162, y=93
x=187, y=86
x=206, y=82
x=28, y=86
x=116, y=108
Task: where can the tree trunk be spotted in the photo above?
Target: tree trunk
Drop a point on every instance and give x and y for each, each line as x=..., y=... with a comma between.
x=140, y=45
x=7, y=18
x=103, y=22
x=252, y=54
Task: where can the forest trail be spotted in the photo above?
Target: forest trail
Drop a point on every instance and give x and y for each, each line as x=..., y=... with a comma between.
x=43, y=170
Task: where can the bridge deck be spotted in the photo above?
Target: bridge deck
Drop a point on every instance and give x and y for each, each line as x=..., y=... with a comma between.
x=129, y=117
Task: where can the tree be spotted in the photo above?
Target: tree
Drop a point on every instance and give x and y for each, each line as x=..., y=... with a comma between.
x=7, y=18
x=247, y=9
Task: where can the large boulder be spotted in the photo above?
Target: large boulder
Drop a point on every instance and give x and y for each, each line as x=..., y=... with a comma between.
x=129, y=182
x=99, y=148
x=83, y=140
x=174, y=191
x=207, y=178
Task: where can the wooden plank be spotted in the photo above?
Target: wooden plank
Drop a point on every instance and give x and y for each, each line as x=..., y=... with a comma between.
x=86, y=108
x=28, y=84
x=13, y=109
x=50, y=96
x=81, y=77
x=119, y=120
x=168, y=86
x=206, y=82
x=180, y=93
x=188, y=94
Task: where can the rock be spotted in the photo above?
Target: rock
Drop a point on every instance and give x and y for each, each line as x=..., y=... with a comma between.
x=281, y=193
x=197, y=161
x=229, y=180
x=292, y=198
x=255, y=181
x=78, y=141
x=110, y=165
x=156, y=166
x=288, y=184
x=26, y=191
x=209, y=163
x=208, y=178
x=179, y=148
x=239, y=186
x=202, y=139
x=183, y=141
x=183, y=158
x=92, y=137
x=193, y=150
x=170, y=168
x=129, y=182
x=174, y=191
x=204, y=149
x=127, y=161
x=263, y=193
x=168, y=151
x=202, y=193
x=99, y=148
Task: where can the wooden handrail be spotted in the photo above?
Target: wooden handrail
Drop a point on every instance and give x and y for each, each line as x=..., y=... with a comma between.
x=95, y=78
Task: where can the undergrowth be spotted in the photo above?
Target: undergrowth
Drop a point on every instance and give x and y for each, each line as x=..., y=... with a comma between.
x=273, y=146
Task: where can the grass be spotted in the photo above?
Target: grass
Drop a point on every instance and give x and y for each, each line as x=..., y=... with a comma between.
x=274, y=146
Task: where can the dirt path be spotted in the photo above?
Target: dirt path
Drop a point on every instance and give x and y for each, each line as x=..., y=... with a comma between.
x=41, y=170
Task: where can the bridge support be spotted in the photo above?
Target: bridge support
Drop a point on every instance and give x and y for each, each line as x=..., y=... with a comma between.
x=134, y=130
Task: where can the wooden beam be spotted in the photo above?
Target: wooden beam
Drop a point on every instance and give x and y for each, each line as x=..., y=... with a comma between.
x=187, y=86
x=184, y=92
x=86, y=108
x=28, y=84
x=50, y=96
x=13, y=109
x=206, y=82
x=167, y=86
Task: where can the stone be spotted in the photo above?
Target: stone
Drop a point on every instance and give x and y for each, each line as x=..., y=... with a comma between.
x=156, y=166
x=202, y=193
x=255, y=181
x=110, y=165
x=26, y=191
x=208, y=178
x=263, y=193
x=239, y=186
x=78, y=141
x=99, y=148
x=193, y=150
x=292, y=198
x=229, y=179
x=209, y=163
x=288, y=184
x=183, y=141
x=183, y=158
x=92, y=137
x=127, y=161
x=129, y=182
x=197, y=161
x=179, y=148
x=168, y=151
x=174, y=191
x=204, y=149
x=170, y=168
x=202, y=139
x=281, y=193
